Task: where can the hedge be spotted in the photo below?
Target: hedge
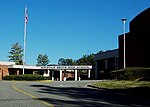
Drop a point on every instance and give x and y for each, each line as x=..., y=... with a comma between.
x=131, y=73
x=26, y=77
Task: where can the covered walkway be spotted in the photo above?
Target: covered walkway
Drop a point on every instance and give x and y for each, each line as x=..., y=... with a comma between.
x=52, y=71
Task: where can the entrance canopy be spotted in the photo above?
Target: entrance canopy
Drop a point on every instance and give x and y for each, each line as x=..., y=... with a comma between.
x=61, y=69
x=77, y=67
x=67, y=67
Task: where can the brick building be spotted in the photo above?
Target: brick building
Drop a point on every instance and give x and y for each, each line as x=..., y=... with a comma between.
x=137, y=42
x=4, y=68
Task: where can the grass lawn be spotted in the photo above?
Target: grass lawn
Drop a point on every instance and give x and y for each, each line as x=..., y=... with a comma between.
x=114, y=84
x=136, y=88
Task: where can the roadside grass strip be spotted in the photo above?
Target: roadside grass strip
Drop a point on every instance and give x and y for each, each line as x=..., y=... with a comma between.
x=32, y=96
x=114, y=84
x=138, y=89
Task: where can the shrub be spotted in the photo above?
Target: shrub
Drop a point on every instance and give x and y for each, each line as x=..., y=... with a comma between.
x=27, y=77
x=131, y=73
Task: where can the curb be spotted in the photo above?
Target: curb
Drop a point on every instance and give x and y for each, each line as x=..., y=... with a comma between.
x=99, y=88
x=92, y=86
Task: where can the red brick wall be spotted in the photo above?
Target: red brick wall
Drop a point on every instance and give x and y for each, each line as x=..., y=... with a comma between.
x=3, y=71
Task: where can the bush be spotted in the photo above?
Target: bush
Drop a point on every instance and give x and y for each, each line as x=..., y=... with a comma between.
x=131, y=74
x=27, y=77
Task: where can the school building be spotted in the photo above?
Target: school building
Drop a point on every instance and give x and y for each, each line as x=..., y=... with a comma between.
x=56, y=72
x=137, y=43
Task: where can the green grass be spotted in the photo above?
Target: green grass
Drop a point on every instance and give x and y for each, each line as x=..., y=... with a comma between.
x=139, y=89
x=114, y=84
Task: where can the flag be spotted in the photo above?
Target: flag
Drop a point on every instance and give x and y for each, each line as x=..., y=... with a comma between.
x=26, y=15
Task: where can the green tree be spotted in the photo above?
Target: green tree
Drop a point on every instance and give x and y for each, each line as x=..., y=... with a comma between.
x=101, y=51
x=16, y=53
x=62, y=61
x=86, y=60
x=42, y=60
x=90, y=59
x=67, y=61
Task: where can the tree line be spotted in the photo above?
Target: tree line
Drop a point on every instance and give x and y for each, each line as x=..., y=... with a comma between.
x=16, y=55
x=84, y=60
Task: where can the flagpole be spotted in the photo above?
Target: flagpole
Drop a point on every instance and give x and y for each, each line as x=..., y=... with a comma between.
x=25, y=24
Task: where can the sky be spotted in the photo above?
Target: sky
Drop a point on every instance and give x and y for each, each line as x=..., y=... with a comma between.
x=65, y=28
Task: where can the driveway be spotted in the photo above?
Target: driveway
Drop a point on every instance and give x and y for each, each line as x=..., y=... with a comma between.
x=62, y=94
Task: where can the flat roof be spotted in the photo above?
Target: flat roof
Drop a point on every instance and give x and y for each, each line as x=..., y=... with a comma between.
x=6, y=63
x=51, y=67
x=107, y=54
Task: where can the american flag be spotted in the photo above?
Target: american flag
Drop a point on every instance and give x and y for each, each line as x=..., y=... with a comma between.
x=26, y=15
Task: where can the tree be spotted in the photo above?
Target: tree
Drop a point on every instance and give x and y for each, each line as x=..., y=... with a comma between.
x=67, y=61
x=42, y=60
x=61, y=61
x=90, y=59
x=101, y=51
x=86, y=60
x=16, y=53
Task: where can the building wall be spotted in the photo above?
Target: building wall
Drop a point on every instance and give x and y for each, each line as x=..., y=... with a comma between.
x=137, y=42
x=3, y=71
x=106, y=62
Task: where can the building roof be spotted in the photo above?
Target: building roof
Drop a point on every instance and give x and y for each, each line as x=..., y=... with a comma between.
x=107, y=54
x=141, y=21
x=6, y=63
x=50, y=67
x=12, y=65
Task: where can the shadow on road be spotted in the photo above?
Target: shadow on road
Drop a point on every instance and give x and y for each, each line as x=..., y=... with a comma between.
x=139, y=92
x=86, y=97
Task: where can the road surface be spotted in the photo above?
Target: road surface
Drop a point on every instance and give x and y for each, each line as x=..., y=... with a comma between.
x=61, y=94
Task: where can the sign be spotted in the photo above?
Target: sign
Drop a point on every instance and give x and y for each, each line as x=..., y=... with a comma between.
x=67, y=67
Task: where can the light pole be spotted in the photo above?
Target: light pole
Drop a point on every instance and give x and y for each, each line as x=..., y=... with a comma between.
x=124, y=42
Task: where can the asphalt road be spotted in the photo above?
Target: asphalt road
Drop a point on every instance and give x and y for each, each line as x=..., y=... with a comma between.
x=9, y=97
x=62, y=94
